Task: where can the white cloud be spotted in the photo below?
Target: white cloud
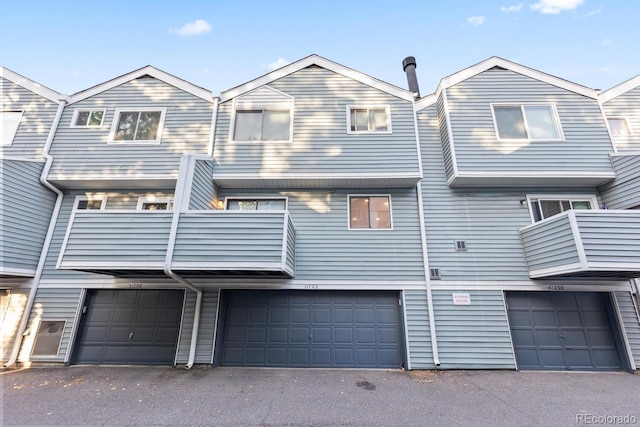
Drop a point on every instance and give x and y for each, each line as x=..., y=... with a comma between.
x=514, y=8
x=476, y=20
x=593, y=12
x=280, y=62
x=556, y=6
x=194, y=28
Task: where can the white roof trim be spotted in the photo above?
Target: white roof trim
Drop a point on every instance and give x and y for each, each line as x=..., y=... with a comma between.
x=34, y=87
x=321, y=62
x=618, y=90
x=495, y=61
x=148, y=70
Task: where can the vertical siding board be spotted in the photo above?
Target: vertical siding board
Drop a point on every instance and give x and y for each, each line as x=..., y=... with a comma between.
x=26, y=207
x=631, y=323
x=418, y=332
x=206, y=330
x=473, y=336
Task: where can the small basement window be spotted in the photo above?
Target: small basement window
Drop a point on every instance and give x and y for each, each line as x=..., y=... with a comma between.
x=48, y=338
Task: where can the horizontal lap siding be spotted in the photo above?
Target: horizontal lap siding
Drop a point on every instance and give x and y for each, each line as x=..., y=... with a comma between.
x=624, y=192
x=626, y=105
x=37, y=119
x=587, y=143
x=611, y=238
x=550, y=244
x=320, y=140
x=52, y=304
x=83, y=153
x=16, y=301
x=631, y=323
x=447, y=153
x=473, y=336
x=202, y=195
x=327, y=250
x=418, y=332
x=26, y=207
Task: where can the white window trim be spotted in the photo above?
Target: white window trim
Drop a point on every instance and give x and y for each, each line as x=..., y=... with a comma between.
x=285, y=198
x=116, y=119
x=554, y=112
x=35, y=339
x=151, y=199
x=349, y=196
x=631, y=132
x=77, y=200
x=387, y=109
x=10, y=143
x=90, y=110
x=276, y=106
x=592, y=198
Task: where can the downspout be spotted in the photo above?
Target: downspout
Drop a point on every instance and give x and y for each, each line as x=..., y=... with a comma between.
x=47, y=240
x=177, y=208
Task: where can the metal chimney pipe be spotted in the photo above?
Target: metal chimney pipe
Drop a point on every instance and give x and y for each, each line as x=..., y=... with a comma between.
x=409, y=67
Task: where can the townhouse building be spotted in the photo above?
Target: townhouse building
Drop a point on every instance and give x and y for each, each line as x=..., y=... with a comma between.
x=318, y=217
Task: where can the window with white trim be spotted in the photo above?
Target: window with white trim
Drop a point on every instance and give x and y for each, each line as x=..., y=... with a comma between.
x=262, y=125
x=529, y=122
x=368, y=119
x=143, y=125
x=542, y=208
x=89, y=118
x=369, y=212
x=155, y=203
x=9, y=123
x=90, y=202
x=618, y=126
x=256, y=204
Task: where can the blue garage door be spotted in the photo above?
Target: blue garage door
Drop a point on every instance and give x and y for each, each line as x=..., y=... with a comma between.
x=311, y=329
x=563, y=330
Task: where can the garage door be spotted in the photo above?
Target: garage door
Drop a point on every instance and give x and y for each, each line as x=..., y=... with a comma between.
x=311, y=329
x=563, y=330
x=138, y=327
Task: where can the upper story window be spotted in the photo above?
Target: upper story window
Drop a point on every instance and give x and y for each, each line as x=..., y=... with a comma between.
x=9, y=123
x=137, y=125
x=369, y=212
x=532, y=122
x=90, y=203
x=619, y=126
x=87, y=118
x=262, y=125
x=256, y=204
x=368, y=119
x=542, y=208
x=155, y=203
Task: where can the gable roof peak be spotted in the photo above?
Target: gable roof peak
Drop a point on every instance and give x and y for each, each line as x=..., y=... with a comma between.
x=620, y=89
x=31, y=85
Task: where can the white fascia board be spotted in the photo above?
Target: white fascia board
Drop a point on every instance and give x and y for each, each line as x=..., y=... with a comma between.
x=148, y=70
x=495, y=61
x=22, y=272
x=424, y=102
x=29, y=84
x=534, y=174
x=321, y=62
x=278, y=175
x=618, y=90
x=558, y=270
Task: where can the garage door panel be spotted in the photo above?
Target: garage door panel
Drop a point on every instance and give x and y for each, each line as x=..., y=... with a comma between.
x=562, y=330
x=314, y=329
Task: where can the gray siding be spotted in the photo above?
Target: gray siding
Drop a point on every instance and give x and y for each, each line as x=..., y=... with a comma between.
x=473, y=336
x=84, y=153
x=477, y=149
x=631, y=323
x=203, y=192
x=550, y=244
x=15, y=301
x=52, y=304
x=206, y=331
x=418, y=334
x=321, y=144
x=610, y=237
x=624, y=192
x=26, y=207
x=327, y=250
x=37, y=119
x=447, y=153
x=626, y=105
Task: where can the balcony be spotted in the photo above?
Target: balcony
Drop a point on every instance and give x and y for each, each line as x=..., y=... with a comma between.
x=584, y=244
x=135, y=243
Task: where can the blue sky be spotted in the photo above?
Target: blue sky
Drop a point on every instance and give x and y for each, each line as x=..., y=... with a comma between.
x=72, y=45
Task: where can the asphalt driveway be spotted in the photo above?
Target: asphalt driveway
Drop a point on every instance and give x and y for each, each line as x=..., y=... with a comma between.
x=203, y=396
